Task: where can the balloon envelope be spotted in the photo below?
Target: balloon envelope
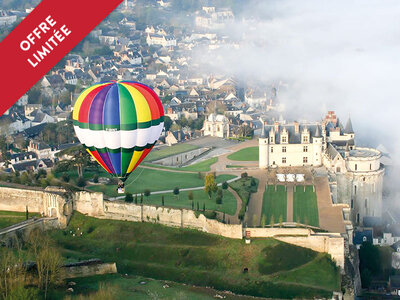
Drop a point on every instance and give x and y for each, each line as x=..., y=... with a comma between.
x=118, y=122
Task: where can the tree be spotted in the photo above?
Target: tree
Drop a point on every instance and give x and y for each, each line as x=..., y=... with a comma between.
x=147, y=193
x=176, y=191
x=244, y=175
x=129, y=198
x=65, y=177
x=280, y=221
x=263, y=220
x=210, y=185
x=255, y=219
x=26, y=213
x=272, y=221
x=136, y=199
x=218, y=199
x=162, y=200
x=190, y=195
x=96, y=178
x=81, y=182
x=225, y=185
x=204, y=206
x=141, y=198
x=167, y=123
x=197, y=206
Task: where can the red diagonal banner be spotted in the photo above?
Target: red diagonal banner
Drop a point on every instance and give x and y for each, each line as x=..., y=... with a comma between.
x=42, y=39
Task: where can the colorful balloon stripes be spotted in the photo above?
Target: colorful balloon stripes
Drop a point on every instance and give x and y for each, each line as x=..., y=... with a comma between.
x=118, y=122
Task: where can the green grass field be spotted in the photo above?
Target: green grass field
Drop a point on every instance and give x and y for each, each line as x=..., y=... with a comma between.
x=138, y=287
x=274, y=203
x=245, y=154
x=163, y=152
x=199, y=196
x=156, y=180
x=203, y=166
x=305, y=207
x=194, y=257
x=8, y=218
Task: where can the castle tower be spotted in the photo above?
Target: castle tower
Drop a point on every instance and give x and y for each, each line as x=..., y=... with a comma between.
x=317, y=147
x=263, y=148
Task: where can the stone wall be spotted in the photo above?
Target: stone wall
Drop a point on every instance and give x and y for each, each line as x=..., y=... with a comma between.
x=52, y=202
x=118, y=210
x=90, y=270
x=181, y=158
x=331, y=243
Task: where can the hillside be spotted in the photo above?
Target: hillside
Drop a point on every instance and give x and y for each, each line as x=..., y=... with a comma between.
x=275, y=269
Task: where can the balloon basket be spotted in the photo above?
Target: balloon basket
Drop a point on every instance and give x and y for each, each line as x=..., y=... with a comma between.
x=121, y=187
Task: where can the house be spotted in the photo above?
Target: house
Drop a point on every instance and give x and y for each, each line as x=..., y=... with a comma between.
x=216, y=125
x=32, y=165
x=362, y=236
x=174, y=137
x=394, y=284
x=41, y=149
x=396, y=256
x=16, y=122
x=54, y=81
x=23, y=156
x=70, y=78
x=40, y=117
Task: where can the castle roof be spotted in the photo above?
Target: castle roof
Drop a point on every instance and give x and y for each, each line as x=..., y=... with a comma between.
x=294, y=138
x=349, y=127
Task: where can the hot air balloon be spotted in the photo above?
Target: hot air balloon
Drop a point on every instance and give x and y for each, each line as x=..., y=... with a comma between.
x=118, y=122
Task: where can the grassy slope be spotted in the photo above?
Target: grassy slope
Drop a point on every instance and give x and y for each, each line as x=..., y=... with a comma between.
x=305, y=207
x=228, y=201
x=275, y=203
x=245, y=154
x=156, y=153
x=190, y=256
x=157, y=180
x=8, y=218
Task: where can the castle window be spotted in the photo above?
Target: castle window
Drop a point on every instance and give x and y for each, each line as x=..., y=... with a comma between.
x=358, y=218
x=355, y=167
x=352, y=203
x=363, y=178
x=272, y=149
x=305, y=160
x=284, y=139
x=305, y=139
x=272, y=139
x=284, y=160
x=218, y=128
x=355, y=190
x=283, y=149
x=370, y=166
x=305, y=148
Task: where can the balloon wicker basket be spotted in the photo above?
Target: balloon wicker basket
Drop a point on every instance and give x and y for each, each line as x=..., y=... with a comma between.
x=121, y=187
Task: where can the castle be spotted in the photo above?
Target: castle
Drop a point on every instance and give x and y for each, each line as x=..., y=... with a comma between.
x=356, y=174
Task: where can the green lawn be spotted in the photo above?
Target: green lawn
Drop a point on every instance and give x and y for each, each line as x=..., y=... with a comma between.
x=8, y=218
x=305, y=207
x=245, y=154
x=274, y=203
x=138, y=287
x=199, y=196
x=198, y=258
x=203, y=166
x=156, y=180
x=166, y=151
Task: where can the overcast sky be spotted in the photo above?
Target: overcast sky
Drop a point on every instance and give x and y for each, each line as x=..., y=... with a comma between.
x=336, y=55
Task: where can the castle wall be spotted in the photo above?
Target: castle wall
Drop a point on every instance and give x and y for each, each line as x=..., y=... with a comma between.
x=12, y=199
x=332, y=244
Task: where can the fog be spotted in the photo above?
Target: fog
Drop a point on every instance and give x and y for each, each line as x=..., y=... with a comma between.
x=336, y=55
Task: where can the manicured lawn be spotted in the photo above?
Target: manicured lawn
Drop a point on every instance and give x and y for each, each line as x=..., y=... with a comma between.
x=194, y=257
x=8, y=218
x=245, y=154
x=274, y=203
x=158, y=153
x=305, y=207
x=234, y=166
x=156, y=180
x=199, y=196
x=203, y=166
